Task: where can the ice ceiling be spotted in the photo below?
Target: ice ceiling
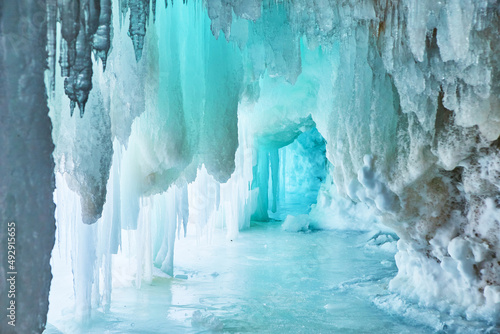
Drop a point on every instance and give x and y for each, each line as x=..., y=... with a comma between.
x=184, y=108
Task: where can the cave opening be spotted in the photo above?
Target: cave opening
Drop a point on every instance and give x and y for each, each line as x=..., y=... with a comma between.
x=294, y=177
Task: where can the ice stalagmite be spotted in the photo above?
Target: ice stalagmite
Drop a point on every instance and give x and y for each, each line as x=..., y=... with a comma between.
x=26, y=168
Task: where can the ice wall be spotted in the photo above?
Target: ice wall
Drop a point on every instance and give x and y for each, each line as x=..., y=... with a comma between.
x=405, y=94
x=26, y=169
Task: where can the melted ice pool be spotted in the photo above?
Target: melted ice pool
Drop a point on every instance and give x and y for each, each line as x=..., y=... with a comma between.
x=268, y=281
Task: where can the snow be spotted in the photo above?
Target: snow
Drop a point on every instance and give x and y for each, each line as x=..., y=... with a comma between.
x=299, y=223
x=375, y=189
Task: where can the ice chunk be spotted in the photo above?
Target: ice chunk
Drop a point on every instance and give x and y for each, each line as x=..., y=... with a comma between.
x=296, y=223
x=207, y=320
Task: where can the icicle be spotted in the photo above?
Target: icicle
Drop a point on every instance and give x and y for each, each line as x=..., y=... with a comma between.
x=275, y=179
x=70, y=26
x=80, y=20
x=153, y=4
x=143, y=242
x=115, y=238
x=123, y=5
x=51, y=42
x=84, y=257
x=82, y=25
x=146, y=244
x=140, y=250
x=220, y=13
x=169, y=215
x=139, y=10
x=182, y=210
x=261, y=182
x=93, y=15
x=78, y=85
x=107, y=280
x=102, y=38
x=64, y=58
x=282, y=153
x=70, y=19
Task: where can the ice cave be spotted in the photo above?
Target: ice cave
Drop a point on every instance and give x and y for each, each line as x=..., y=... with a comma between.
x=250, y=166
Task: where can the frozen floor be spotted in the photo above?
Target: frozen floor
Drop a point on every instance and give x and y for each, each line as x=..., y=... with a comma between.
x=265, y=281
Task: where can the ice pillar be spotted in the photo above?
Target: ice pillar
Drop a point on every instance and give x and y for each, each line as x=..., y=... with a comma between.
x=261, y=182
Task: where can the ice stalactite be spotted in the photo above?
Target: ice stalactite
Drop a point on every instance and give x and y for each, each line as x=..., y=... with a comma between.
x=275, y=180
x=102, y=38
x=261, y=182
x=26, y=166
x=220, y=13
x=76, y=157
x=85, y=28
x=78, y=84
x=139, y=14
x=51, y=43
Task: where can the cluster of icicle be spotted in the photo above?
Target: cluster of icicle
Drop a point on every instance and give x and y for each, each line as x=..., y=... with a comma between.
x=85, y=27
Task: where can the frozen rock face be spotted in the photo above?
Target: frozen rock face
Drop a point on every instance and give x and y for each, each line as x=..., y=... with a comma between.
x=26, y=169
x=405, y=94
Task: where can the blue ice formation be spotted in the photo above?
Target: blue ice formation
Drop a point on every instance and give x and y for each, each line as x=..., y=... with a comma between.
x=186, y=115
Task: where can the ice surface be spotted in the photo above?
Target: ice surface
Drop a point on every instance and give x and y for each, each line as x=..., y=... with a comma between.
x=267, y=281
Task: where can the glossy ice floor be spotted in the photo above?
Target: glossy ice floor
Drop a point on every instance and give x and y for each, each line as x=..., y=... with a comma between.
x=265, y=281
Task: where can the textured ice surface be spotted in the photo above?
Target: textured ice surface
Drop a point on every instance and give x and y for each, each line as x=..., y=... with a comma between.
x=265, y=281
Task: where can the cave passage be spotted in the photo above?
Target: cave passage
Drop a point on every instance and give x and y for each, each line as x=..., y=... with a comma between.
x=281, y=275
